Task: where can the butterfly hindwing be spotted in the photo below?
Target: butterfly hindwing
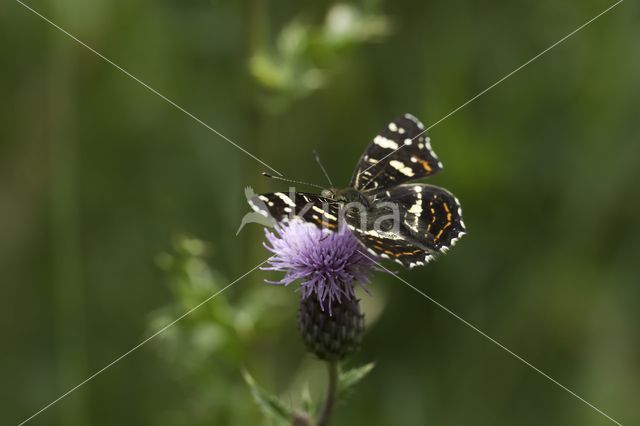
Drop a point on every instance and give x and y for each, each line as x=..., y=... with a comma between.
x=394, y=247
x=400, y=153
x=312, y=208
x=432, y=215
x=429, y=222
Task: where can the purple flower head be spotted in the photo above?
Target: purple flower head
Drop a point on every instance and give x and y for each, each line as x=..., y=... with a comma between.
x=328, y=265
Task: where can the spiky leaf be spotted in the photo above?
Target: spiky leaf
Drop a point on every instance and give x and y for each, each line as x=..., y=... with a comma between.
x=271, y=406
x=348, y=379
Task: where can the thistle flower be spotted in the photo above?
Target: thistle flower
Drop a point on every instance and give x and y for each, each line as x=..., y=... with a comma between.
x=328, y=265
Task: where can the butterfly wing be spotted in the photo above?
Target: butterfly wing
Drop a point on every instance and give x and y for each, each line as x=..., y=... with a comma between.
x=433, y=215
x=401, y=250
x=430, y=222
x=400, y=153
x=312, y=208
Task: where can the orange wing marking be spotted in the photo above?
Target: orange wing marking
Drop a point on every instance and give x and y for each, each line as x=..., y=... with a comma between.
x=425, y=165
x=446, y=208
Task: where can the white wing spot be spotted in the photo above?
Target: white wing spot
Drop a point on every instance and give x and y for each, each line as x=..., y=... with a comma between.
x=415, y=120
x=383, y=142
x=324, y=213
x=393, y=127
x=411, y=265
x=399, y=165
x=373, y=232
x=416, y=209
x=284, y=197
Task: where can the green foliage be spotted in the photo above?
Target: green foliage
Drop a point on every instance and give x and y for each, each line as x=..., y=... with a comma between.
x=217, y=327
x=304, y=55
x=280, y=413
x=347, y=380
x=207, y=348
x=270, y=405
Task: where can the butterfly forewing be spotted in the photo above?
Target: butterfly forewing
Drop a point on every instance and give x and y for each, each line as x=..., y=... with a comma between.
x=312, y=208
x=400, y=153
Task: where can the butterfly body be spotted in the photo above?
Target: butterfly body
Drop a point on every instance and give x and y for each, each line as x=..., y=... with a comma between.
x=394, y=219
x=347, y=195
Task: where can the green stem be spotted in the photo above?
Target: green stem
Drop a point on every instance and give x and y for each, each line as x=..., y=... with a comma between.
x=332, y=393
x=69, y=298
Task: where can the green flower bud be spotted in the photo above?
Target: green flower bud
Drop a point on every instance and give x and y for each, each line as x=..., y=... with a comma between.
x=334, y=335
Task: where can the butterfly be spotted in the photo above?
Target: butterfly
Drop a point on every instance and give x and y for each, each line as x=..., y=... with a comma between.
x=393, y=218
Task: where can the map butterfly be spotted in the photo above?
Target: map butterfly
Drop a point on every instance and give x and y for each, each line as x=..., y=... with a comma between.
x=429, y=217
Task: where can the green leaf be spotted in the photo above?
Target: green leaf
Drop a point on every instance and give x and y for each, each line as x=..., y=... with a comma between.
x=270, y=405
x=308, y=405
x=348, y=379
x=268, y=72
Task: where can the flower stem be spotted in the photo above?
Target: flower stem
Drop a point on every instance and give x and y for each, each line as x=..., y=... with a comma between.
x=330, y=399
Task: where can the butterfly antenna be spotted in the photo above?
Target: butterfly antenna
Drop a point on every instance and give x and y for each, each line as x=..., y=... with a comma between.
x=317, y=157
x=265, y=174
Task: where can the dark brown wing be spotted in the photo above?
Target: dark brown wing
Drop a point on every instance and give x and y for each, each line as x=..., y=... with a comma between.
x=400, y=153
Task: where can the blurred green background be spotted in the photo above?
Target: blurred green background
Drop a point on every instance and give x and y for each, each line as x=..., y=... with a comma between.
x=100, y=180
